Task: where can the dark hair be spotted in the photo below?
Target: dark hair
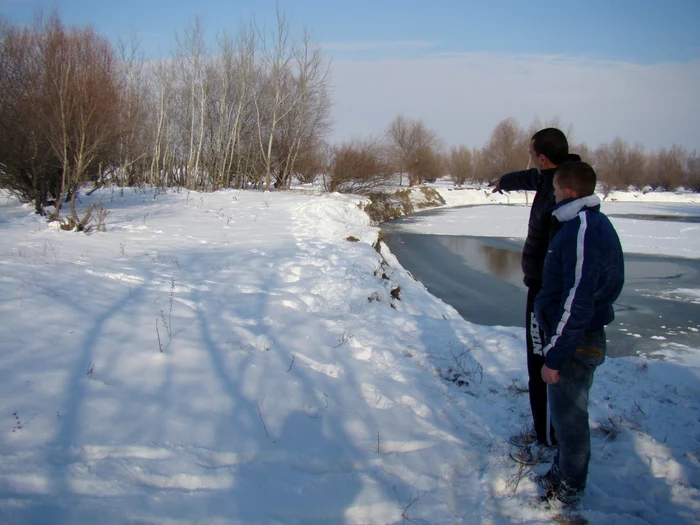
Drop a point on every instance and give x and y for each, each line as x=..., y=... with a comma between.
x=574, y=156
x=552, y=143
x=577, y=176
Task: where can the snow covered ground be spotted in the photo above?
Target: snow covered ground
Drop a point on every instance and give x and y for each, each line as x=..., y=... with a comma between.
x=238, y=358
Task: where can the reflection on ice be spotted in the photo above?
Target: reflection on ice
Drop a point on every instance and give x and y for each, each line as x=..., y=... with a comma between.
x=481, y=278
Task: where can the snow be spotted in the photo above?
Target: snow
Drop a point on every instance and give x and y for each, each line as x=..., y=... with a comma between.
x=501, y=218
x=303, y=377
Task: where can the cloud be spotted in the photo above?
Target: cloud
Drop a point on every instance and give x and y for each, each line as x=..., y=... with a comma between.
x=464, y=95
x=377, y=45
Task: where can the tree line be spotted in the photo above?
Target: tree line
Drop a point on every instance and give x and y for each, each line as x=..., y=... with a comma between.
x=251, y=111
x=409, y=147
x=79, y=111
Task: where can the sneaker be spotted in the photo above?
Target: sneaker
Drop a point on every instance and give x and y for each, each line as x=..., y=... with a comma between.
x=554, y=488
x=547, y=482
x=533, y=454
x=568, y=496
x=523, y=439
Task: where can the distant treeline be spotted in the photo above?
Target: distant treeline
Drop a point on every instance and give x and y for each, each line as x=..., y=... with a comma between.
x=252, y=112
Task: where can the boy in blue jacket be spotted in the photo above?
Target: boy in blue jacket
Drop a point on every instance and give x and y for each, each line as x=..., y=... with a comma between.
x=583, y=275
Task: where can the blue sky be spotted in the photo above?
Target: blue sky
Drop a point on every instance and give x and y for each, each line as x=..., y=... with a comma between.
x=458, y=42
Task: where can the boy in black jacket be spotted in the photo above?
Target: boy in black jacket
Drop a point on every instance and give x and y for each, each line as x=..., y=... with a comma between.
x=583, y=275
x=548, y=148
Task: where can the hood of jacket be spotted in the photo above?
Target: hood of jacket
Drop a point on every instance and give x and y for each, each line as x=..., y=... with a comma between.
x=568, y=209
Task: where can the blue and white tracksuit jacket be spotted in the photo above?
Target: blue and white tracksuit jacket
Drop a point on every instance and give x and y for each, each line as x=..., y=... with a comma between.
x=583, y=275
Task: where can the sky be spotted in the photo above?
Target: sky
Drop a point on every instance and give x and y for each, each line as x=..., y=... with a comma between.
x=606, y=68
x=233, y=358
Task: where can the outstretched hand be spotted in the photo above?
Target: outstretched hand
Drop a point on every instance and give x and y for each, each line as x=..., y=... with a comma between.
x=496, y=186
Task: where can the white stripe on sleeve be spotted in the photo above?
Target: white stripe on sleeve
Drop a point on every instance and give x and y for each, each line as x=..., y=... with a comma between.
x=572, y=293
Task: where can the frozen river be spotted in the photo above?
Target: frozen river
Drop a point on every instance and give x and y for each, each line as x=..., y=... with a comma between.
x=480, y=276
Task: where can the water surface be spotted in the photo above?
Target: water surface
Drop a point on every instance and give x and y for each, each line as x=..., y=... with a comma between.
x=481, y=278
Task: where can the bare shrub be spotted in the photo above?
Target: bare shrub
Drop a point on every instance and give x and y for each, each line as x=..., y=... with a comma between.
x=460, y=165
x=513, y=481
x=619, y=166
x=666, y=168
x=310, y=163
x=28, y=165
x=83, y=106
x=481, y=170
x=428, y=166
x=63, y=95
x=691, y=180
x=358, y=166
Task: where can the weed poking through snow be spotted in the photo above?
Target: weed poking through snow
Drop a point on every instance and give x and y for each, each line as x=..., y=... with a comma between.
x=160, y=345
x=517, y=388
x=413, y=498
x=610, y=428
x=462, y=368
x=170, y=313
x=347, y=335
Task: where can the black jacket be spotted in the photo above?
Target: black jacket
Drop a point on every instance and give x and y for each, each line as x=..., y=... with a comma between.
x=540, y=228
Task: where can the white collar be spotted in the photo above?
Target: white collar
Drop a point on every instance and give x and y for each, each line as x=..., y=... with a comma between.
x=569, y=210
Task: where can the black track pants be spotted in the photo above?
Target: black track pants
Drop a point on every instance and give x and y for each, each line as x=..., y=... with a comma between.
x=535, y=360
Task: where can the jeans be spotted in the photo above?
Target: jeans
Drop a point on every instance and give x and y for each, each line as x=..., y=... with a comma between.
x=568, y=400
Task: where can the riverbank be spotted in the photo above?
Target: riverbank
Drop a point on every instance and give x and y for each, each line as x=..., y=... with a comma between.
x=398, y=202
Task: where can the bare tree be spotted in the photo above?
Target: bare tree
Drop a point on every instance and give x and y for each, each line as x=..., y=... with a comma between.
x=273, y=96
x=506, y=150
x=308, y=121
x=414, y=149
x=192, y=57
x=554, y=122
x=160, y=113
x=582, y=150
x=133, y=148
x=235, y=68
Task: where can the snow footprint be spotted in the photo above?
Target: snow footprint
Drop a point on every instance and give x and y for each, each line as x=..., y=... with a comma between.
x=309, y=301
x=374, y=397
x=291, y=274
x=418, y=408
x=291, y=304
x=360, y=352
x=329, y=370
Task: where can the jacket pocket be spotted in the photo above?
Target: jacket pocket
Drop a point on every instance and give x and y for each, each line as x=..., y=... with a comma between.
x=589, y=351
